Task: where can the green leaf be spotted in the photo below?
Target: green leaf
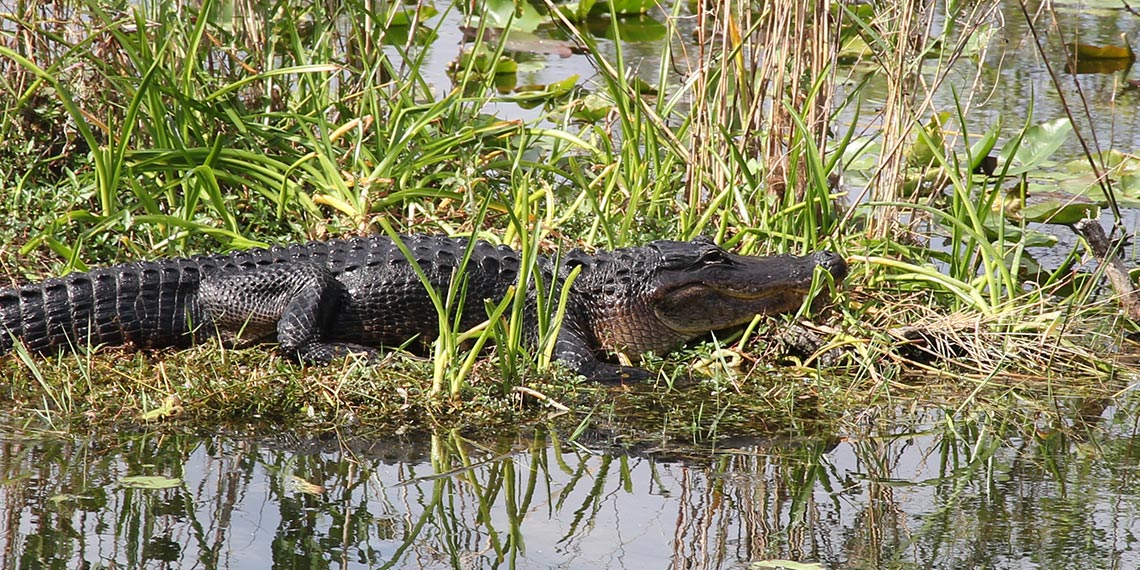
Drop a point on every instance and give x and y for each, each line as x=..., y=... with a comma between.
x=629, y=6
x=422, y=12
x=591, y=108
x=515, y=15
x=576, y=11
x=1086, y=51
x=1058, y=212
x=978, y=40
x=634, y=29
x=923, y=152
x=482, y=62
x=1013, y=234
x=171, y=406
x=854, y=49
x=1038, y=144
x=531, y=96
x=981, y=149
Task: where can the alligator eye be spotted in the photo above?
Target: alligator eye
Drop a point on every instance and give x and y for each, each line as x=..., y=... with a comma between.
x=713, y=257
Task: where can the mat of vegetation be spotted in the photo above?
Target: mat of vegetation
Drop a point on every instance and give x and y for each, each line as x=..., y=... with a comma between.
x=169, y=129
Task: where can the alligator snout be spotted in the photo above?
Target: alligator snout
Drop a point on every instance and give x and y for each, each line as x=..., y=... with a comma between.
x=832, y=262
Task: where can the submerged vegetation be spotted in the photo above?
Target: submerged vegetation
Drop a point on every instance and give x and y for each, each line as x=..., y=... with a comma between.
x=165, y=129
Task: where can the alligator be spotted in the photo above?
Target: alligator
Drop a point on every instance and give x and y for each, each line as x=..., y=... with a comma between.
x=322, y=300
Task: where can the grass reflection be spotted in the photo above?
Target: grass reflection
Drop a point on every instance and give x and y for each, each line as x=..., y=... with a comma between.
x=982, y=491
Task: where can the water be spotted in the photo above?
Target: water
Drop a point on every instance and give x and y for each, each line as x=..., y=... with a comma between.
x=884, y=493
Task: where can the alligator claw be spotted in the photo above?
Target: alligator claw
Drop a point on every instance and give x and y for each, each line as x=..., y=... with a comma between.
x=604, y=373
x=323, y=353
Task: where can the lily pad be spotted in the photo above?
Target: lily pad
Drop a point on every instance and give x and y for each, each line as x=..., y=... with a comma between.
x=527, y=42
x=509, y=14
x=480, y=61
x=1079, y=51
x=632, y=29
x=576, y=11
x=1014, y=234
x=854, y=49
x=977, y=41
x=923, y=153
x=1058, y=212
x=1037, y=146
x=589, y=108
x=534, y=95
x=419, y=13
x=627, y=7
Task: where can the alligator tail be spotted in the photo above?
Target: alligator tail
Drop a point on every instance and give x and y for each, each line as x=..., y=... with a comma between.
x=149, y=304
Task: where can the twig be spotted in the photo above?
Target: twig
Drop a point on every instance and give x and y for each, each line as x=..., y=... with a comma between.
x=541, y=397
x=1114, y=269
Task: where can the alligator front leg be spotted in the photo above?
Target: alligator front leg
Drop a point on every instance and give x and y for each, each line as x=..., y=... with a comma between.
x=573, y=351
x=291, y=302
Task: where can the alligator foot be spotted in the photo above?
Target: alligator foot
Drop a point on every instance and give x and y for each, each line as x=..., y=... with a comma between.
x=605, y=373
x=323, y=352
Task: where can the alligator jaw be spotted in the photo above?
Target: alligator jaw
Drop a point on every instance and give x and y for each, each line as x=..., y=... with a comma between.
x=730, y=292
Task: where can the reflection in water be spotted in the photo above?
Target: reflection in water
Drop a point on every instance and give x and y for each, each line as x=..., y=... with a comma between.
x=948, y=495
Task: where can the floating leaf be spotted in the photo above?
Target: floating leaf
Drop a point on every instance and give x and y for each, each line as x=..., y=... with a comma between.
x=558, y=88
x=1038, y=144
x=923, y=152
x=504, y=14
x=171, y=406
x=627, y=7
x=1129, y=185
x=149, y=482
x=405, y=17
x=854, y=49
x=480, y=62
x=576, y=11
x=536, y=94
x=633, y=29
x=1097, y=66
x=1085, y=51
x=1085, y=58
x=978, y=40
x=531, y=43
x=591, y=108
x=996, y=227
x=861, y=154
x=1058, y=212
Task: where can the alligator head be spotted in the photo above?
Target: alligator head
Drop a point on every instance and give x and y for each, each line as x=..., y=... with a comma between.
x=682, y=290
x=703, y=288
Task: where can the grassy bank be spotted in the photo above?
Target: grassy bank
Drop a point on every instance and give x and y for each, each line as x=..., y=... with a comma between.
x=166, y=130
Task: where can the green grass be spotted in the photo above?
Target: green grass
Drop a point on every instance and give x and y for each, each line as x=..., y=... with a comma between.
x=173, y=129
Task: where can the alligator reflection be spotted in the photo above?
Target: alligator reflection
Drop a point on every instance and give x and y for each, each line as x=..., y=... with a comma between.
x=943, y=494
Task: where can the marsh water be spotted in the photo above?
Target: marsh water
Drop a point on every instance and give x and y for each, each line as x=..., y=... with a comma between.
x=884, y=492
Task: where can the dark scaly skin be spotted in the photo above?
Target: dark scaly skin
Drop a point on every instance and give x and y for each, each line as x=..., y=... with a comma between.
x=322, y=300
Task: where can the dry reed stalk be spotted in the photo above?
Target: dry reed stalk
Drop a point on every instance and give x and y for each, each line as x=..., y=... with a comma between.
x=901, y=26
x=751, y=65
x=904, y=37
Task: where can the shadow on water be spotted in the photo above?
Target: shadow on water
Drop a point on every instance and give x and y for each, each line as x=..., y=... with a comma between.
x=890, y=493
